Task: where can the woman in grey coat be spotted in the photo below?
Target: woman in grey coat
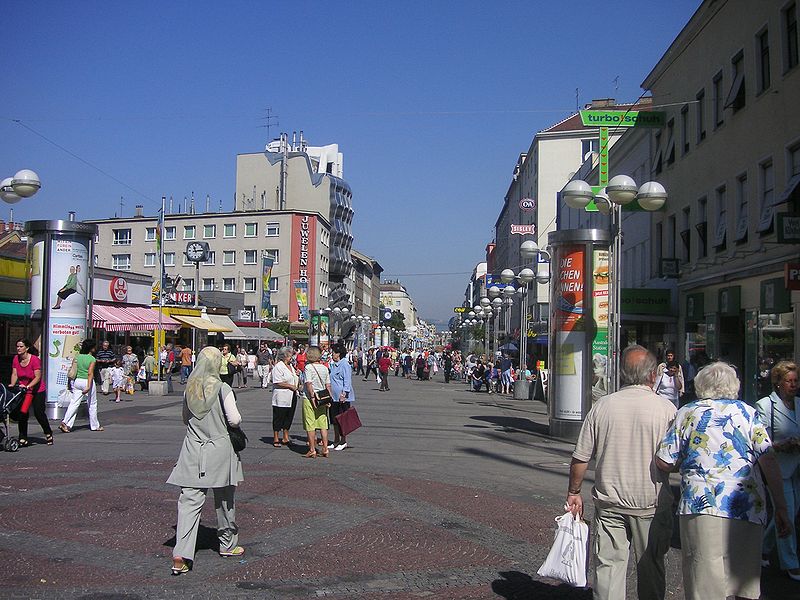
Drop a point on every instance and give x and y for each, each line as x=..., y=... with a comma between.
x=207, y=460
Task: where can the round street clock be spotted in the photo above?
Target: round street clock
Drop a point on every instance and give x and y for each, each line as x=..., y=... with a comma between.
x=197, y=251
x=387, y=315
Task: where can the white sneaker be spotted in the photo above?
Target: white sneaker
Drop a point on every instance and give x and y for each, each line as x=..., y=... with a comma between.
x=341, y=446
x=330, y=445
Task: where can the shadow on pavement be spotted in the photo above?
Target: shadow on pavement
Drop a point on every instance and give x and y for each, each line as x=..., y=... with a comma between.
x=207, y=539
x=515, y=585
x=517, y=424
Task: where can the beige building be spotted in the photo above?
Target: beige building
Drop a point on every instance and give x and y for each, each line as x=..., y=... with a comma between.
x=729, y=158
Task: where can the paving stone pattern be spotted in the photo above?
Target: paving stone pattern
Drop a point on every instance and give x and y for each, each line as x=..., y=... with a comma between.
x=444, y=494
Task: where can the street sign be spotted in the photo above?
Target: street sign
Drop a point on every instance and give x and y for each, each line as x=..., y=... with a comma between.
x=623, y=118
x=792, y=276
x=460, y=309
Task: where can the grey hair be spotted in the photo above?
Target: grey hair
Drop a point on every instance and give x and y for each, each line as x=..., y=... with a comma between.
x=282, y=353
x=637, y=365
x=717, y=380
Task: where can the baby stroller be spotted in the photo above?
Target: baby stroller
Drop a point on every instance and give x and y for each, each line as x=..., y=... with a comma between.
x=10, y=401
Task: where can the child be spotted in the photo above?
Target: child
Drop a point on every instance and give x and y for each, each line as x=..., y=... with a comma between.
x=117, y=379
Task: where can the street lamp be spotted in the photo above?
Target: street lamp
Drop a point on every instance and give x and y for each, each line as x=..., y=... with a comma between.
x=620, y=191
x=23, y=184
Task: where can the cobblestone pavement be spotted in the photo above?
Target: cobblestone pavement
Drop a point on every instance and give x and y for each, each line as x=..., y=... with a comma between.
x=444, y=494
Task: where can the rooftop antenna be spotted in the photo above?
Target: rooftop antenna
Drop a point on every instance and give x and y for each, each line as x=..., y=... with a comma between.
x=208, y=203
x=191, y=206
x=577, y=101
x=220, y=203
x=121, y=204
x=616, y=85
x=170, y=205
x=269, y=122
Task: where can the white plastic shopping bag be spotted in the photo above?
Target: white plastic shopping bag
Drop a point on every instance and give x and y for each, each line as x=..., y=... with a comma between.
x=64, y=398
x=567, y=559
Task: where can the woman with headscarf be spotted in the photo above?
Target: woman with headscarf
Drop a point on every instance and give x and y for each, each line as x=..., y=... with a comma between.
x=207, y=460
x=341, y=392
x=315, y=416
x=716, y=442
x=779, y=413
x=285, y=383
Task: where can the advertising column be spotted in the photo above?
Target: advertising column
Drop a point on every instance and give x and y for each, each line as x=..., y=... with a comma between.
x=61, y=296
x=578, y=326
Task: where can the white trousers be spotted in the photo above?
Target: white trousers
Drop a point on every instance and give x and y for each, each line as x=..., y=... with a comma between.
x=78, y=386
x=263, y=373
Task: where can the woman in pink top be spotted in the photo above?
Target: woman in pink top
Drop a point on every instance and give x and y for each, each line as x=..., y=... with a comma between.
x=26, y=371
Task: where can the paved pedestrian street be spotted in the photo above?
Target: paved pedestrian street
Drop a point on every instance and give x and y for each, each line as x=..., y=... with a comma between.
x=444, y=494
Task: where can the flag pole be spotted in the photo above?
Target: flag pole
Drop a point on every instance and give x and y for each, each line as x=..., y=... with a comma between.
x=160, y=238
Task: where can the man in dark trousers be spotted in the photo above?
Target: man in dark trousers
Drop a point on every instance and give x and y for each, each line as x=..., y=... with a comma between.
x=448, y=366
x=384, y=364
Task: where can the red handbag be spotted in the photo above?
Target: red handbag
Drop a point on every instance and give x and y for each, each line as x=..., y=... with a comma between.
x=348, y=421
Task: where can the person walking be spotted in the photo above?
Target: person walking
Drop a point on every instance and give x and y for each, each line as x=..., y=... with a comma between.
x=632, y=497
x=715, y=442
x=186, y=363
x=342, y=393
x=263, y=364
x=207, y=460
x=26, y=371
x=285, y=386
x=241, y=367
x=315, y=417
x=372, y=364
x=779, y=413
x=83, y=386
x=106, y=359
x=448, y=366
x=149, y=365
x=130, y=364
x=384, y=364
x=227, y=365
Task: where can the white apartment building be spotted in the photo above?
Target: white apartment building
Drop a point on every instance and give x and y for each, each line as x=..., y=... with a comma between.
x=395, y=296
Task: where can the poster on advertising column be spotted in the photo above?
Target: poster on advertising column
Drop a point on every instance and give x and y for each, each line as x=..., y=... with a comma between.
x=600, y=312
x=570, y=330
x=301, y=296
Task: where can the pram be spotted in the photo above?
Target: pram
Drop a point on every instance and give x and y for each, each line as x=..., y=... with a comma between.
x=11, y=399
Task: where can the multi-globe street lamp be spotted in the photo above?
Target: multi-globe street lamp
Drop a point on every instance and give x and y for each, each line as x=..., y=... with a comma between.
x=23, y=184
x=620, y=191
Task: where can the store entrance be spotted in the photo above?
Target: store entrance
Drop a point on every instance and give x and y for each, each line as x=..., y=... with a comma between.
x=731, y=342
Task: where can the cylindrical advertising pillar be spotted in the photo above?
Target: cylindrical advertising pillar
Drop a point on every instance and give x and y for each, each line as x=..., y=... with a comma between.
x=60, y=258
x=579, y=309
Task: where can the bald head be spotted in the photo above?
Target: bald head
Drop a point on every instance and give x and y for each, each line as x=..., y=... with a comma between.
x=638, y=366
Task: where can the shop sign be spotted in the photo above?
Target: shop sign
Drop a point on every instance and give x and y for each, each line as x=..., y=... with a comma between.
x=303, y=257
x=118, y=288
x=623, y=118
x=460, y=309
x=729, y=301
x=245, y=315
x=527, y=204
x=775, y=298
x=788, y=228
x=523, y=229
x=695, y=311
x=669, y=267
x=636, y=301
x=791, y=276
x=181, y=298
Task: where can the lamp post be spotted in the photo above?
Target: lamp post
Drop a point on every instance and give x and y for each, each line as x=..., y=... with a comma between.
x=620, y=191
x=23, y=184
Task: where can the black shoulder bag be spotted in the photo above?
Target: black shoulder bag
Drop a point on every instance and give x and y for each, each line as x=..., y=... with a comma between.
x=322, y=397
x=237, y=435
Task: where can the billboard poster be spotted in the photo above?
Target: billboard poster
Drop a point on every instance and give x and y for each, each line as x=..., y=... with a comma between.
x=36, y=276
x=570, y=331
x=69, y=267
x=266, y=301
x=301, y=295
x=569, y=290
x=319, y=330
x=600, y=312
x=64, y=343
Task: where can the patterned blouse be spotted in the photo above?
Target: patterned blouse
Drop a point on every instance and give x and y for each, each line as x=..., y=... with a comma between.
x=717, y=443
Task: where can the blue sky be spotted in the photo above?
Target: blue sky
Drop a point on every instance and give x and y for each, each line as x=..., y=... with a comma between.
x=430, y=102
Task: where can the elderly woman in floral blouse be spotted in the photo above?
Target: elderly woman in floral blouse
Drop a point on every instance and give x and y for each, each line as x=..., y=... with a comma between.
x=715, y=443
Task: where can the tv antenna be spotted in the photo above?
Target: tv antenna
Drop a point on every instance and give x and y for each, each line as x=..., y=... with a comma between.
x=269, y=122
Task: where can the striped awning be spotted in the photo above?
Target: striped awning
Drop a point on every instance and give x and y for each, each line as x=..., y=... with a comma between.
x=130, y=318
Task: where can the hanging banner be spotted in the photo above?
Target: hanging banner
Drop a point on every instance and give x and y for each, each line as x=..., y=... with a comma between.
x=266, y=273
x=301, y=295
x=319, y=331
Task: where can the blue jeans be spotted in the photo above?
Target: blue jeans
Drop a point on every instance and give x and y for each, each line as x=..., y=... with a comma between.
x=787, y=547
x=185, y=371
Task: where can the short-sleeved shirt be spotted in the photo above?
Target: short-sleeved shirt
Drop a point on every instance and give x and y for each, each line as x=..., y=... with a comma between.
x=622, y=432
x=84, y=360
x=106, y=356
x=27, y=373
x=318, y=376
x=130, y=362
x=186, y=357
x=718, y=443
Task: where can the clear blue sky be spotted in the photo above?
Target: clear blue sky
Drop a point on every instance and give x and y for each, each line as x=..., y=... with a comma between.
x=431, y=103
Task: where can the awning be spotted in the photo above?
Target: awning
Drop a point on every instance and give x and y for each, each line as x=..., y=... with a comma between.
x=791, y=186
x=129, y=318
x=201, y=323
x=15, y=309
x=225, y=321
x=261, y=333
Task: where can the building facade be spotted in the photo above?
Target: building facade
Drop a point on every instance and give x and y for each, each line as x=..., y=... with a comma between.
x=366, y=282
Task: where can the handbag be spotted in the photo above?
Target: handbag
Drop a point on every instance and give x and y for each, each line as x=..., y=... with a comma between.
x=236, y=434
x=322, y=397
x=73, y=370
x=348, y=420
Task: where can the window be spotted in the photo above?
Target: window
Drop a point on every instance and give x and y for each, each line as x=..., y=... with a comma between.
x=249, y=284
x=189, y=232
x=121, y=262
x=251, y=257
x=228, y=284
x=701, y=116
x=736, y=95
x=169, y=259
x=250, y=229
x=686, y=234
x=274, y=254
x=702, y=227
x=589, y=146
x=671, y=233
x=207, y=285
x=150, y=234
x=767, y=185
x=188, y=285
x=741, y=216
x=722, y=220
x=229, y=230
x=685, y=128
x=273, y=284
x=150, y=259
x=211, y=258
x=229, y=257
x=657, y=159
x=762, y=61
x=169, y=233
x=670, y=149
x=789, y=22
x=273, y=229
x=793, y=161
x=659, y=246
x=122, y=237
x=717, y=100
x=209, y=231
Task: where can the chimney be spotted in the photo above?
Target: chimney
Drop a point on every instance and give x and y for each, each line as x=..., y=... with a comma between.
x=139, y=211
x=603, y=103
x=71, y=215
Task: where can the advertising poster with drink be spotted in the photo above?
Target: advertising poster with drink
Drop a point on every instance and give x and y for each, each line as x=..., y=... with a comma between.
x=65, y=337
x=570, y=331
x=600, y=311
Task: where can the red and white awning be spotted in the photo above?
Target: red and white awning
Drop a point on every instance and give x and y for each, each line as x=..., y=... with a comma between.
x=130, y=318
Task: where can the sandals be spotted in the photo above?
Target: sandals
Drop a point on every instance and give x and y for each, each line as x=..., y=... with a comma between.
x=310, y=454
x=63, y=427
x=99, y=429
x=324, y=454
x=23, y=443
x=235, y=551
x=49, y=439
x=180, y=570
x=276, y=444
